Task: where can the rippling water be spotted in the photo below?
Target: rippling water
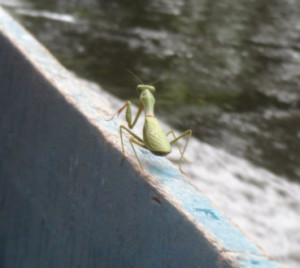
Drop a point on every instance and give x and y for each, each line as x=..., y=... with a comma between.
x=229, y=70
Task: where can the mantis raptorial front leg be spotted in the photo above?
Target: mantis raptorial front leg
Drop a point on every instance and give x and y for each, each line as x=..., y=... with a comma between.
x=127, y=105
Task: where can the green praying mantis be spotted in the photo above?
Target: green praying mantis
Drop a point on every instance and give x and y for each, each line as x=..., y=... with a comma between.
x=154, y=138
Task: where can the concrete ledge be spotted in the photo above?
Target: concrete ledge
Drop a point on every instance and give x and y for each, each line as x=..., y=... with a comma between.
x=64, y=199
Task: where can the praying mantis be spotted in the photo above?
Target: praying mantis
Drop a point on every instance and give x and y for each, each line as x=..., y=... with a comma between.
x=154, y=138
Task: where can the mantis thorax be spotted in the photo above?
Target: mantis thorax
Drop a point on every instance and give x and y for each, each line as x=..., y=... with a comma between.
x=147, y=98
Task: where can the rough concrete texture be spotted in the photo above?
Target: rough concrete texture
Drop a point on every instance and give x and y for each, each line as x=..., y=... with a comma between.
x=64, y=199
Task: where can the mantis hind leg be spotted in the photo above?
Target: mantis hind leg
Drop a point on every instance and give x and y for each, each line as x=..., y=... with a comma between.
x=173, y=134
x=189, y=133
x=134, y=139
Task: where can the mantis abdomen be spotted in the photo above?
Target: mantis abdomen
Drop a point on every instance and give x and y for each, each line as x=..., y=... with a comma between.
x=154, y=137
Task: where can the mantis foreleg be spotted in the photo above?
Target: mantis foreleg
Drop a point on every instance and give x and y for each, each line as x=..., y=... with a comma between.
x=188, y=132
x=127, y=105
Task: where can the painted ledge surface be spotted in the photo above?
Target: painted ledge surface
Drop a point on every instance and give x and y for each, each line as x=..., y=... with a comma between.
x=64, y=199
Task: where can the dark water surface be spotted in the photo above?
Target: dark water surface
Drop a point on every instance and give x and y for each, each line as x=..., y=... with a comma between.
x=229, y=70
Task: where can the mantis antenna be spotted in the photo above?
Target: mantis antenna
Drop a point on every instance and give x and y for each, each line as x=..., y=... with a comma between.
x=140, y=80
x=154, y=82
x=135, y=76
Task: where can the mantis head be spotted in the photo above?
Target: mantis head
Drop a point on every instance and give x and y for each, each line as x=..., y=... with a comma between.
x=146, y=97
x=141, y=88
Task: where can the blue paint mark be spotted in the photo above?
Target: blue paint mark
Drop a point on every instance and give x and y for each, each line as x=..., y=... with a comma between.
x=161, y=169
x=255, y=262
x=208, y=212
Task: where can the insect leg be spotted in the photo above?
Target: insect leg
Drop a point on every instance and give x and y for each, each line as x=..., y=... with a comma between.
x=189, y=133
x=172, y=132
x=122, y=144
x=128, y=115
x=132, y=141
x=127, y=105
x=118, y=112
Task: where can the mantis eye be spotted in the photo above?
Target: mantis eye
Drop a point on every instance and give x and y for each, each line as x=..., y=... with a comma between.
x=141, y=88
